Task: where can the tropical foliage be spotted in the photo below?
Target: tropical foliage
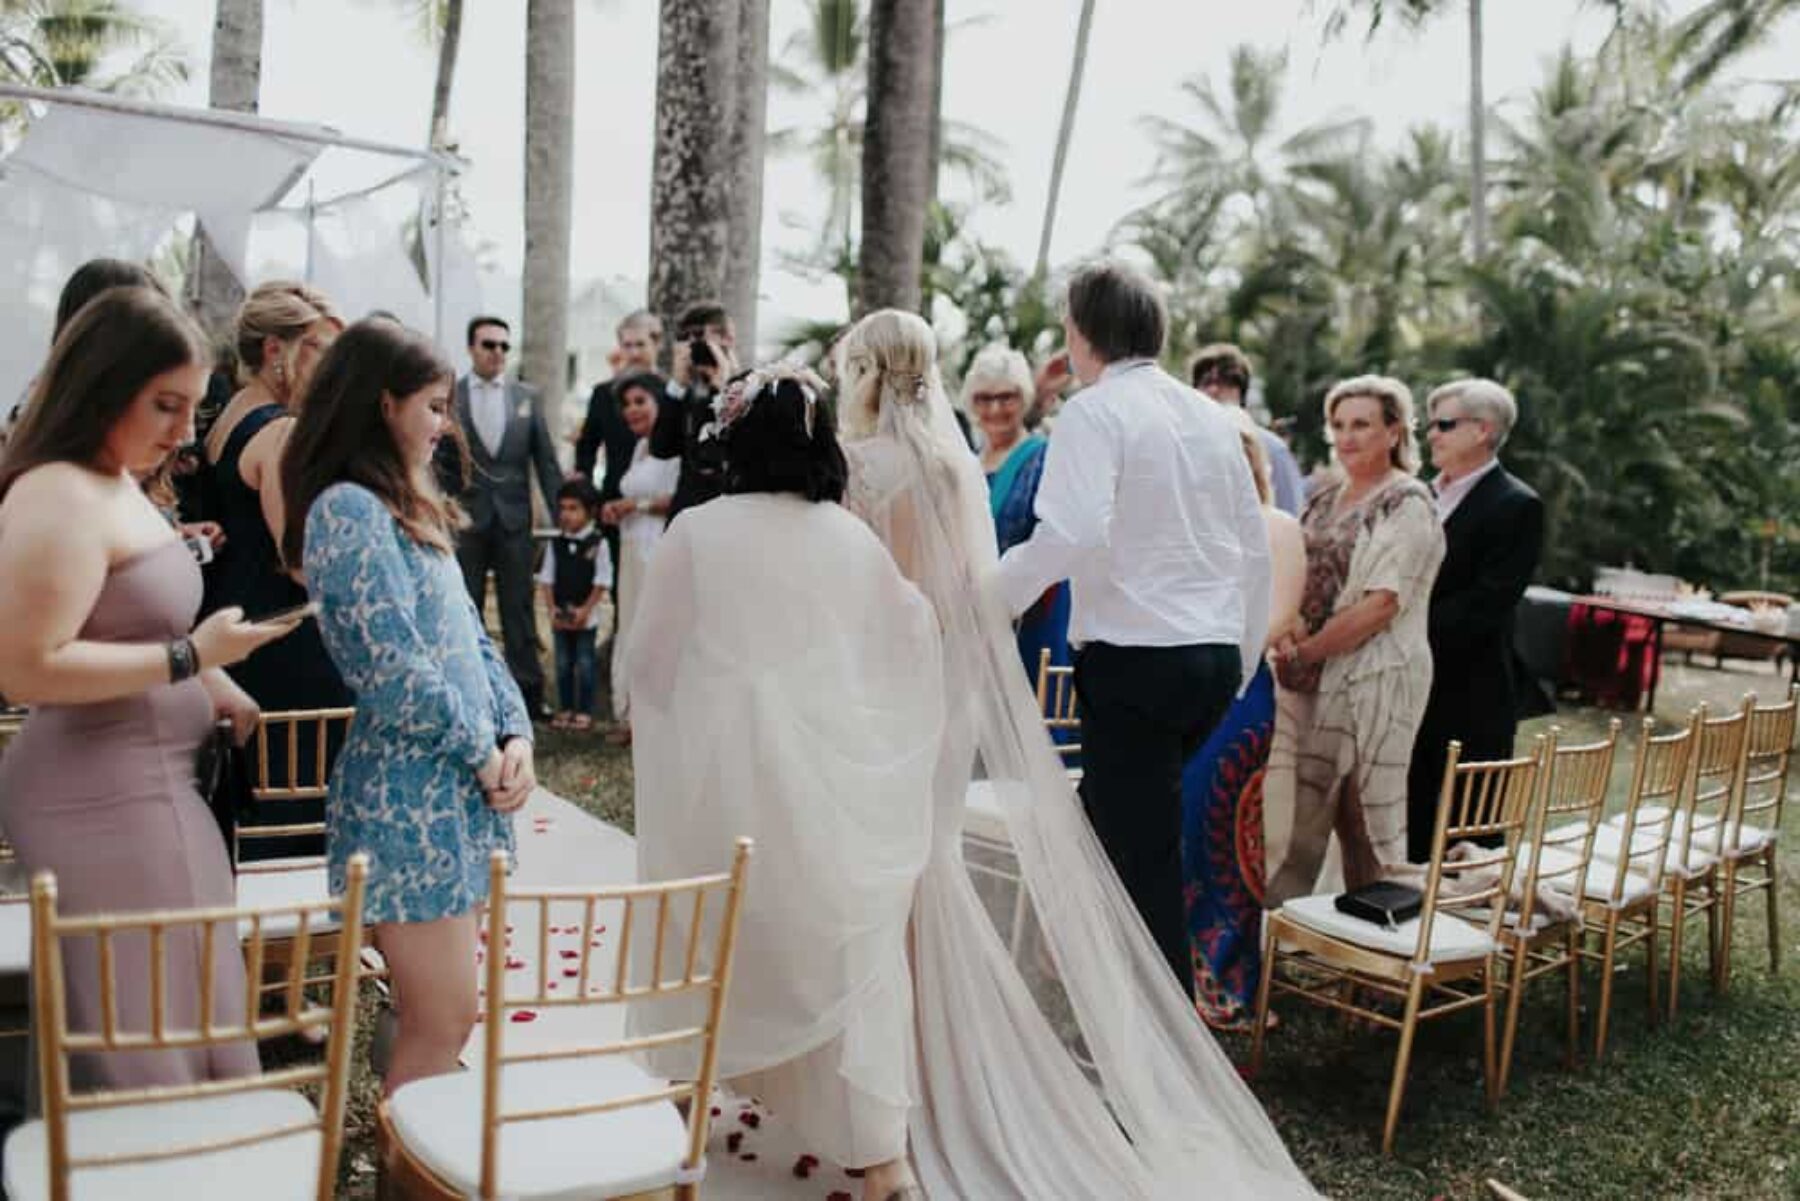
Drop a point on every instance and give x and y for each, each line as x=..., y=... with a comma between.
x=1639, y=294
x=106, y=45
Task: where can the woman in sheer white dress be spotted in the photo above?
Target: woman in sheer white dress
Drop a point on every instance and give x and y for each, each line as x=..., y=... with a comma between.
x=1001, y=1108
x=785, y=685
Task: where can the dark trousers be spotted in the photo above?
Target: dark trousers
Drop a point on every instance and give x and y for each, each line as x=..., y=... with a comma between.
x=1144, y=712
x=575, y=669
x=1482, y=720
x=508, y=555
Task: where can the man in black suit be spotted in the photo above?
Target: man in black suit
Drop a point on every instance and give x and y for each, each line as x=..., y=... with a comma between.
x=1493, y=533
x=508, y=441
x=701, y=360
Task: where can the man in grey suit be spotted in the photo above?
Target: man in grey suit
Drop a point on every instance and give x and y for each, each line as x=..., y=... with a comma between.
x=503, y=424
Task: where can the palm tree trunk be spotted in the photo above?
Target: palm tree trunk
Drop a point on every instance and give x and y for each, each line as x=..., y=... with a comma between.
x=697, y=48
x=235, y=84
x=937, y=97
x=749, y=126
x=1478, y=215
x=896, y=154
x=549, y=183
x=1071, y=100
x=449, y=43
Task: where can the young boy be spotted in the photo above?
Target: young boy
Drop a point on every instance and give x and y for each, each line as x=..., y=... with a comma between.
x=576, y=576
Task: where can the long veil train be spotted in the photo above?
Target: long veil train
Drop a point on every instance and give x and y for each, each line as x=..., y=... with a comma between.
x=1002, y=1108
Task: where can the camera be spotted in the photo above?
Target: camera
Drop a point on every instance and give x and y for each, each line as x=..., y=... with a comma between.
x=700, y=352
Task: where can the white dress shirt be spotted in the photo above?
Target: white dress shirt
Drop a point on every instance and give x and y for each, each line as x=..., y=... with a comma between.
x=487, y=411
x=1451, y=494
x=1148, y=509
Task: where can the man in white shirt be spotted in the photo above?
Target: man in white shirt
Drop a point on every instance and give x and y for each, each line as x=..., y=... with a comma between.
x=1147, y=507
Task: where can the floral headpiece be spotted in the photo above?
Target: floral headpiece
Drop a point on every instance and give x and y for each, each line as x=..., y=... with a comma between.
x=730, y=405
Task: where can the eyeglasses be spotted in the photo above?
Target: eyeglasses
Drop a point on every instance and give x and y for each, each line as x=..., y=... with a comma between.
x=982, y=399
x=490, y=344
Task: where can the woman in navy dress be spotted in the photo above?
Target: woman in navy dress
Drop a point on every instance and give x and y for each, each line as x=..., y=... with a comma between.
x=440, y=752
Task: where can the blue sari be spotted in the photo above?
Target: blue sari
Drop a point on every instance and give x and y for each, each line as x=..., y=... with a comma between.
x=1012, y=497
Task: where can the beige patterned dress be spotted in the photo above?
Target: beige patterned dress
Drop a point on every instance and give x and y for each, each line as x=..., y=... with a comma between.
x=1335, y=793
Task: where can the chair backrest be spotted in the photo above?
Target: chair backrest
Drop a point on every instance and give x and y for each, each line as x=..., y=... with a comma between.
x=1715, y=777
x=1659, y=777
x=1767, y=758
x=678, y=904
x=11, y=722
x=299, y=1011
x=1478, y=801
x=1571, y=803
x=1056, y=700
x=304, y=775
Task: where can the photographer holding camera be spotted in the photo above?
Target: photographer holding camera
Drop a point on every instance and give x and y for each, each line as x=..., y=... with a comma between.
x=702, y=361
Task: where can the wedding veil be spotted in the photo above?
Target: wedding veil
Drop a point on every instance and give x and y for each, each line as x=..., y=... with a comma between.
x=1004, y=1109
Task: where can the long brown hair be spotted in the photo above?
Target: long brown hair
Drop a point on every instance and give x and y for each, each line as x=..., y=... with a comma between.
x=341, y=435
x=104, y=357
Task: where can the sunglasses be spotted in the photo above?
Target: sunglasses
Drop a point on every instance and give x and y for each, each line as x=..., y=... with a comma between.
x=490, y=344
x=1444, y=425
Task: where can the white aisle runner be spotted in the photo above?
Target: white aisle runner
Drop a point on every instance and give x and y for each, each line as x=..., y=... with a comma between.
x=751, y=1156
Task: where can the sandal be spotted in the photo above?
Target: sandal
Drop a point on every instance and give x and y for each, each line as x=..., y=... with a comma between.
x=560, y=722
x=581, y=723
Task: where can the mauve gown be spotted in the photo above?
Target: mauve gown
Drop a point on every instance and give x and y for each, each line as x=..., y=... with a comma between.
x=104, y=796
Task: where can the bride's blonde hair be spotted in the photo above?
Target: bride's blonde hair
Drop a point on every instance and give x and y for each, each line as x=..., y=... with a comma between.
x=889, y=357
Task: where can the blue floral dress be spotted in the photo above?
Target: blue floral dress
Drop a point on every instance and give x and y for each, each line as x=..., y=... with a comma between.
x=432, y=699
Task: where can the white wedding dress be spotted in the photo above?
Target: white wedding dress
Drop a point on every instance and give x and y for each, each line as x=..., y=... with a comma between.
x=1002, y=1108
x=786, y=685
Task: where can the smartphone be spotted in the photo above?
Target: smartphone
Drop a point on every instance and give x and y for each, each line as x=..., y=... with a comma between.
x=284, y=616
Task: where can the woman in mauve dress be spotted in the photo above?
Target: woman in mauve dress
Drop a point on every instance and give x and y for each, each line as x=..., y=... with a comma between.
x=95, y=621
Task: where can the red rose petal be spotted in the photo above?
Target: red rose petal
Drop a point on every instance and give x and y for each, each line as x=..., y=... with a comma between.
x=748, y=1157
x=750, y=1119
x=715, y=1111
x=854, y=1173
x=513, y=964
x=571, y=954
x=839, y=1195
x=569, y=973
x=803, y=1167
x=524, y=1015
x=734, y=1140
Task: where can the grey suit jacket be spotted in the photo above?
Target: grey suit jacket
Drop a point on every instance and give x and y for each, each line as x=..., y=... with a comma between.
x=500, y=489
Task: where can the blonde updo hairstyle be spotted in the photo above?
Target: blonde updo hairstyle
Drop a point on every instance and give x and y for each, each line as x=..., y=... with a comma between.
x=283, y=310
x=1255, y=453
x=1396, y=402
x=889, y=357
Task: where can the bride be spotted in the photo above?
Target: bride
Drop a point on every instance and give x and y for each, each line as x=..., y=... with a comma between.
x=1000, y=1107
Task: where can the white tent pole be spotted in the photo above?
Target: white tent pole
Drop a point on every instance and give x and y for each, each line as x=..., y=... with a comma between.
x=317, y=135
x=311, y=217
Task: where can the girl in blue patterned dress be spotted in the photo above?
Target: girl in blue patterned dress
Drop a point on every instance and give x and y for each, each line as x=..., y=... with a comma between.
x=440, y=752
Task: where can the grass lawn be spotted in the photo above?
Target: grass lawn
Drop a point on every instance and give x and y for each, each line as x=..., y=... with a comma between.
x=1708, y=1108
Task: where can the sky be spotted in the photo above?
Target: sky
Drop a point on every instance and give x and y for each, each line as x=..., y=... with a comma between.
x=360, y=66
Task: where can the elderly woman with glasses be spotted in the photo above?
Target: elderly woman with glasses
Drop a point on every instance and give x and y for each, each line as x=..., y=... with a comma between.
x=1355, y=670
x=998, y=391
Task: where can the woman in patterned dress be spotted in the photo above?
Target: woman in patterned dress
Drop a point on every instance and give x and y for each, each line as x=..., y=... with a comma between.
x=440, y=752
x=1222, y=793
x=1355, y=677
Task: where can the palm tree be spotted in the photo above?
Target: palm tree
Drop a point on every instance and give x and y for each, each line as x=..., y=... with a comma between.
x=697, y=48
x=896, y=168
x=235, y=83
x=1064, y=132
x=749, y=134
x=82, y=43
x=827, y=61
x=549, y=186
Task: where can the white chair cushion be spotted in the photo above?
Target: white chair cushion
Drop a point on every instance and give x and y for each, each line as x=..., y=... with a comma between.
x=560, y=1159
x=1609, y=839
x=273, y=1171
x=297, y=886
x=1452, y=939
x=1601, y=874
x=982, y=815
x=15, y=938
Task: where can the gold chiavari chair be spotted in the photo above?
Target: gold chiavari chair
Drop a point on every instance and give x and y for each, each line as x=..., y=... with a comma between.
x=1436, y=964
x=1557, y=852
x=1623, y=891
x=304, y=778
x=1754, y=833
x=1056, y=701
x=576, y=1119
x=215, y=1138
x=15, y=915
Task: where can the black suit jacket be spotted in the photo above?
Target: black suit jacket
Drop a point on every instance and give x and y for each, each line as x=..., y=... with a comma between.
x=1491, y=546
x=604, y=426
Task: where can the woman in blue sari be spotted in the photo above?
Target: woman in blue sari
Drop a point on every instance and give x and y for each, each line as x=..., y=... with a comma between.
x=998, y=390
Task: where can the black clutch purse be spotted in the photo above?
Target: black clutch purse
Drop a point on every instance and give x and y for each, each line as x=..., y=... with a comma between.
x=1383, y=902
